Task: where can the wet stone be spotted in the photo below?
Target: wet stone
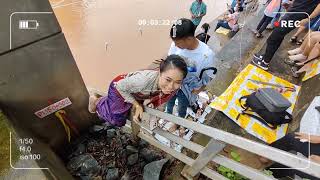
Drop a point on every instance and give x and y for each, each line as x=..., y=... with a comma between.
x=118, y=133
x=118, y=142
x=152, y=171
x=84, y=165
x=142, y=164
x=109, y=154
x=104, y=170
x=80, y=150
x=126, y=176
x=97, y=128
x=133, y=159
x=112, y=174
x=143, y=143
x=124, y=139
x=131, y=149
x=111, y=164
x=149, y=155
x=107, y=126
x=111, y=133
x=92, y=143
x=123, y=154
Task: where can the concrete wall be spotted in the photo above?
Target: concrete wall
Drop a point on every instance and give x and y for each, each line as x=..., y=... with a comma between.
x=16, y=10
x=38, y=69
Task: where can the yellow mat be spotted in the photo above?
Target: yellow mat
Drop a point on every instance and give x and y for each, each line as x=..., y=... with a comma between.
x=229, y=104
x=223, y=31
x=314, y=70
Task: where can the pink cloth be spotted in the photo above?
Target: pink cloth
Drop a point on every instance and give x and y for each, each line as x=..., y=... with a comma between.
x=233, y=21
x=273, y=7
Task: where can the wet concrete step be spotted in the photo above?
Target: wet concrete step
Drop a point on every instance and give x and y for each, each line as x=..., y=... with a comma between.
x=218, y=41
x=233, y=55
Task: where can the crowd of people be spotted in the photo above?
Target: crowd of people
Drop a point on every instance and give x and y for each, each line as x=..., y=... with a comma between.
x=298, y=10
x=178, y=76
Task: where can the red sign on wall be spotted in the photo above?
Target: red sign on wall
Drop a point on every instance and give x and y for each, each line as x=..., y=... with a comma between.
x=53, y=108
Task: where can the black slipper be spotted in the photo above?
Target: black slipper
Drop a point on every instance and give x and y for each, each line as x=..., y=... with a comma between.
x=299, y=42
x=258, y=35
x=293, y=39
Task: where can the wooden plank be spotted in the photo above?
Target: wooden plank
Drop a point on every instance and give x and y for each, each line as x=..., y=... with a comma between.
x=241, y=169
x=134, y=127
x=135, y=131
x=185, y=159
x=212, y=148
x=235, y=166
x=208, y=172
x=185, y=143
x=271, y=153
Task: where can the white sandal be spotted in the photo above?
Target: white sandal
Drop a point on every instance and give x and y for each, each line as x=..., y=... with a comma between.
x=298, y=57
x=295, y=51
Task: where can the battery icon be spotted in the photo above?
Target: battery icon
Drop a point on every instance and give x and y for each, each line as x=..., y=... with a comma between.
x=28, y=24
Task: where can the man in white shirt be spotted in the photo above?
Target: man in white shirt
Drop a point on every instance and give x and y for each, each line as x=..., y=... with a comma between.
x=198, y=56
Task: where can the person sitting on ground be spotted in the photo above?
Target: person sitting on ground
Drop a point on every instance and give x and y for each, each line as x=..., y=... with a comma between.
x=197, y=10
x=195, y=52
x=306, y=65
x=304, y=25
x=298, y=142
x=204, y=36
x=229, y=21
x=130, y=90
x=273, y=8
x=275, y=39
x=301, y=53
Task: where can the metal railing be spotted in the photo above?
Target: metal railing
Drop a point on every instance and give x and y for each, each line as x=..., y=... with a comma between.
x=210, y=152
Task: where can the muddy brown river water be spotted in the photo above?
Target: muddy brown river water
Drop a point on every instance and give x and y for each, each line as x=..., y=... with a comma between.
x=107, y=37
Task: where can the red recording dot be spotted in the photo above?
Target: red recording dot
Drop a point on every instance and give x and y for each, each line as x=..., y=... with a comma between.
x=276, y=24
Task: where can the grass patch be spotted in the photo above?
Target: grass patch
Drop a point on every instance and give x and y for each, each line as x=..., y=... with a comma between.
x=5, y=145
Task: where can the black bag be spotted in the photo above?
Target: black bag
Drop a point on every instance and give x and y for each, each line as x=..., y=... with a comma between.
x=270, y=119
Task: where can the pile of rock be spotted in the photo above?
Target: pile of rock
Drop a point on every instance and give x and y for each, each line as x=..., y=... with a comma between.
x=109, y=153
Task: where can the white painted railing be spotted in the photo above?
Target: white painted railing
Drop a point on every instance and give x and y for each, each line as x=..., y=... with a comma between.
x=210, y=153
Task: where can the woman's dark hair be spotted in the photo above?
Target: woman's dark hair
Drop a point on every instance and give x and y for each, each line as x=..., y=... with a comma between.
x=183, y=28
x=174, y=61
x=206, y=27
